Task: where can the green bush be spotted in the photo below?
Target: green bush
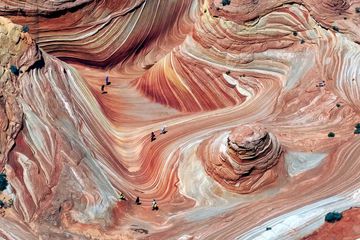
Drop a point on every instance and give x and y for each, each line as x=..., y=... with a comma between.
x=331, y=134
x=225, y=2
x=357, y=126
x=333, y=217
x=14, y=70
x=25, y=28
x=3, y=181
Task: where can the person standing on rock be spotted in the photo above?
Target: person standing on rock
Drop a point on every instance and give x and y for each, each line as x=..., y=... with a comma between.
x=163, y=130
x=107, y=82
x=121, y=196
x=153, y=137
x=154, y=205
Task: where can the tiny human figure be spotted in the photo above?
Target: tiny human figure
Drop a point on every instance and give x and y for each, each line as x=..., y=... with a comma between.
x=121, y=196
x=102, y=89
x=107, y=82
x=154, y=205
x=321, y=84
x=137, y=201
x=163, y=130
x=11, y=202
x=153, y=136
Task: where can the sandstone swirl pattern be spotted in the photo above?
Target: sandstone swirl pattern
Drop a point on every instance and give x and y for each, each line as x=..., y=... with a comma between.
x=247, y=71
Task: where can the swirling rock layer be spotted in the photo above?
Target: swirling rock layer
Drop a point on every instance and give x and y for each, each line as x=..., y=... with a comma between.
x=204, y=71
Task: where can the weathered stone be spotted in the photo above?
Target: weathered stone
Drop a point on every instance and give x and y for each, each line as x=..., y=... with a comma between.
x=14, y=35
x=3, y=30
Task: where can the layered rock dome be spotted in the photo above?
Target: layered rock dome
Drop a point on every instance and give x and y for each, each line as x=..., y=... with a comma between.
x=247, y=161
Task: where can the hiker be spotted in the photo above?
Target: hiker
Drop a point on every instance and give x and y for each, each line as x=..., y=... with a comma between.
x=102, y=89
x=121, y=196
x=163, y=130
x=10, y=202
x=137, y=201
x=321, y=84
x=154, y=205
x=107, y=81
x=153, y=136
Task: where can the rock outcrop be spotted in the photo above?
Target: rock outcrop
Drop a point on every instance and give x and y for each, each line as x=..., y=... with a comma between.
x=247, y=161
x=213, y=75
x=15, y=47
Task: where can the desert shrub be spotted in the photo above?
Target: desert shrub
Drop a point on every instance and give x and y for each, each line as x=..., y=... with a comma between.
x=3, y=181
x=225, y=2
x=331, y=134
x=332, y=217
x=14, y=70
x=25, y=28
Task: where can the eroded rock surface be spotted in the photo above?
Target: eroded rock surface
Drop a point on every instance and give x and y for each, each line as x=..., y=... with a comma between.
x=247, y=160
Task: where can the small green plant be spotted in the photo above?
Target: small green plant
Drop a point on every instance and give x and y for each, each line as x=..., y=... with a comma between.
x=225, y=2
x=2, y=204
x=332, y=217
x=331, y=134
x=335, y=28
x=25, y=28
x=302, y=41
x=357, y=126
x=3, y=181
x=14, y=70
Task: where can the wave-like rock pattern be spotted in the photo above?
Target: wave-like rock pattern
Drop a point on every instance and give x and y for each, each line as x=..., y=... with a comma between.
x=220, y=67
x=42, y=7
x=105, y=33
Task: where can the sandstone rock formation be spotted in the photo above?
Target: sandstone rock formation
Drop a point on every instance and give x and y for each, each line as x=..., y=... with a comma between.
x=246, y=161
x=15, y=45
x=205, y=71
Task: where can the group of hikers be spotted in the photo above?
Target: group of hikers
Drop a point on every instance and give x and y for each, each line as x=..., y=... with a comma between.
x=137, y=201
x=153, y=136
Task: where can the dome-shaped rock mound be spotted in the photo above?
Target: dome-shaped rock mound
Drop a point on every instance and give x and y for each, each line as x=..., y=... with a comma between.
x=247, y=161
